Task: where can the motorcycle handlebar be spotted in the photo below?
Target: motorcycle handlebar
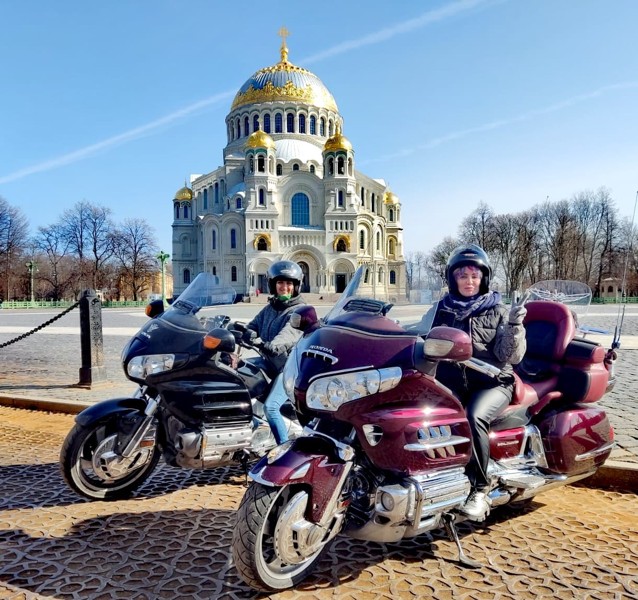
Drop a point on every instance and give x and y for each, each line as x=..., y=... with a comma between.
x=482, y=367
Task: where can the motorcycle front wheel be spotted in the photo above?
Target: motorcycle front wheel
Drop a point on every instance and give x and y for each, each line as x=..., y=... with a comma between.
x=274, y=546
x=91, y=467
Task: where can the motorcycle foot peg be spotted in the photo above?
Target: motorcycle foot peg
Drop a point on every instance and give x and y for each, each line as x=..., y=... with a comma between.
x=450, y=528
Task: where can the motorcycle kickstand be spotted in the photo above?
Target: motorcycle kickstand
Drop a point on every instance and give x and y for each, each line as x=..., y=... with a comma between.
x=448, y=522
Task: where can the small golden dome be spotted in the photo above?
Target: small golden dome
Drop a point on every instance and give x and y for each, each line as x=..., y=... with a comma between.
x=338, y=142
x=182, y=194
x=259, y=139
x=390, y=198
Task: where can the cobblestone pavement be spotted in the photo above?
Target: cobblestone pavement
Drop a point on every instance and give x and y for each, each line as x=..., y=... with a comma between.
x=173, y=540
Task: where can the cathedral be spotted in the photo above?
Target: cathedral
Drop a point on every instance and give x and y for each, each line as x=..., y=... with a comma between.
x=288, y=189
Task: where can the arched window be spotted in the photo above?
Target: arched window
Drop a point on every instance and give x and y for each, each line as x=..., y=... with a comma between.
x=278, y=123
x=205, y=199
x=340, y=198
x=238, y=202
x=216, y=192
x=214, y=240
x=372, y=203
x=295, y=167
x=391, y=247
x=341, y=165
x=362, y=240
x=233, y=273
x=233, y=238
x=262, y=197
x=302, y=123
x=255, y=123
x=187, y=276
x=331, y=166
x=267, y=123
x=290, y=123
x=300, y=209
x=312, y=168
x=322, y=127
x=261, y=163
x=238, y=128
x=378, y=240
x=280, y=170
x=380, y=275
x=176, y=210
x=246, y=127
x=341, y=246
x=251, y=165
x=262, y=244
x=391, y=214
x=313, y=125
x=185, y=211
x=393, y=277
x=610, y=289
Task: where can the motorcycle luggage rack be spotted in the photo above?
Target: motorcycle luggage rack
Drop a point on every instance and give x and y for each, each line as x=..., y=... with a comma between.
x=376, y=307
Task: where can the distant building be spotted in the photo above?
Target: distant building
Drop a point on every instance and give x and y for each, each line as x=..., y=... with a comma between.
x=288, y=189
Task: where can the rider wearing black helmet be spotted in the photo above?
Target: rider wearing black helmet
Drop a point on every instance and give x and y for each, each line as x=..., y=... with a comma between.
x=271, y=325
x=498, y=338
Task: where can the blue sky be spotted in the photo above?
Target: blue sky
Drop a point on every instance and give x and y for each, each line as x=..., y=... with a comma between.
x=451, y=102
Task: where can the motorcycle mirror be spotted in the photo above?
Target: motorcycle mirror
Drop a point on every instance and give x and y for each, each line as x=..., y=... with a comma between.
x=155, y=308
x=447, y=343
x=220, y=340
x=304, y=318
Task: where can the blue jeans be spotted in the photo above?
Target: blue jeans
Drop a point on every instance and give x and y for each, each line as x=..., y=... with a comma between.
x=272, y=408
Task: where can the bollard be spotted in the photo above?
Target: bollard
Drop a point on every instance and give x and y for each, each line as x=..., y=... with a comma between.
x=91, y=341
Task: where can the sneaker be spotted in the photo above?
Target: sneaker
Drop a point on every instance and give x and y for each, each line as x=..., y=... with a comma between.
x=477, y=506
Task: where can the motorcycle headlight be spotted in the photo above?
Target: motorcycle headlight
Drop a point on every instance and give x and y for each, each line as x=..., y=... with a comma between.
x=290, y=372
x=329, y=393
x=140, y=367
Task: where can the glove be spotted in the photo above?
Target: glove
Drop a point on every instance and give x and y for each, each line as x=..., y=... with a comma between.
x=248, y=336
x=274, y=349
x=518, y=310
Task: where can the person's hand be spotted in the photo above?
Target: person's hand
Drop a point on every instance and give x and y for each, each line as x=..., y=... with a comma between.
x=248, y=336
x=518, y=310
x=274, y=349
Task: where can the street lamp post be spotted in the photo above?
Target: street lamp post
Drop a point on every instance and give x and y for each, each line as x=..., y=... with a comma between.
x=32, y=268
x=163, y=257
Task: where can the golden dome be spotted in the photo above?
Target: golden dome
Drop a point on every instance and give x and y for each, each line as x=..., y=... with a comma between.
x=183, y=194
x=338, y=142
x=390, y=198
x=259, y=139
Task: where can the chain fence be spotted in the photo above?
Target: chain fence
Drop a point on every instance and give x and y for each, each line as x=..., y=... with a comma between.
x=42, y=326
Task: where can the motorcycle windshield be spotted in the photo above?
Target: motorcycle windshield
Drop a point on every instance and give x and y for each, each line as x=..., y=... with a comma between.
x=205, y=291
x=357, y=288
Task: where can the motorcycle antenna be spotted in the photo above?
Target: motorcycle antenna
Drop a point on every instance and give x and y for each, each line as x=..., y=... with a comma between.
x=621, y=309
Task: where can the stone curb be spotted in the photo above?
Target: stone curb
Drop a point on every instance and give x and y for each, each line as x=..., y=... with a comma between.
x=614, y=474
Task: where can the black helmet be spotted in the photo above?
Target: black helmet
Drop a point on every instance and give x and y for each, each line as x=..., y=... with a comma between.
x=285, y=270
x=469, y=255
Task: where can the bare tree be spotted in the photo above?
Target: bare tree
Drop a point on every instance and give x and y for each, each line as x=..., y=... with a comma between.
x=135, y=249
x=13, y=239
x=54, y=248
x=478, y=228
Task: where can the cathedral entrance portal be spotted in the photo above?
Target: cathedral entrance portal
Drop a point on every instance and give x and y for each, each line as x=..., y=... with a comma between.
x=262, y=283
x=340, y=282
x=305, y=286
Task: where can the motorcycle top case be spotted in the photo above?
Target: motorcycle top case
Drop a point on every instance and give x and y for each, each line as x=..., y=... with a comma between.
x=577, y=439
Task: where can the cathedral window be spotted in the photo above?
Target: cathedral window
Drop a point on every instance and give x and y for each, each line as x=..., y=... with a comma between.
x=238, y=128
x=341, y=165
x=290, y=123
x=331, y=166
x=372, y=202
x=300, y=209
x=251, y=165
x=313, y=125
x=233, y=238
x=312, y=168
x=267, y=123
x=262, y=244
x=362, y=240
x=322, y=127
x=302, y=123
x=216, y=192
x=380, y=275
x=279, y=126
x=176, y=210
x=262, y=197
x=238, y=202
x=233, y=273
x=214, y=270
x=261, y=163
x=246, y=128
x=378, y=240
x=280, y=170
x=185, y=211
x=255, y=123
x=331, y=130
x=340, y=199
x=187, y=276
x=214, y=240
x=205, y=199
x=295, y=167
x=391, y=214
x=393, y=277
x=341, y=246
x=391, y=247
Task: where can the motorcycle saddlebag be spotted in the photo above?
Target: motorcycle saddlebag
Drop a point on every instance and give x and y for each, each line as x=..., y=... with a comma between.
x=576, y=438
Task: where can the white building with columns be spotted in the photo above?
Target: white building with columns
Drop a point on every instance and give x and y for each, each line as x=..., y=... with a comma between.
x=288, y=189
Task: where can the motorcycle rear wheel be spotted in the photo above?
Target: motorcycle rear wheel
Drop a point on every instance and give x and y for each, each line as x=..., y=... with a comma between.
x=259, y=532
x=78, y=465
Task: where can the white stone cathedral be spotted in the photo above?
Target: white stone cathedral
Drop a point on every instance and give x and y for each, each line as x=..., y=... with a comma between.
x=288, y=189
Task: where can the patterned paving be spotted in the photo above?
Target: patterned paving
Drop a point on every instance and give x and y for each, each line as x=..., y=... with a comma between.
x=173, y=540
